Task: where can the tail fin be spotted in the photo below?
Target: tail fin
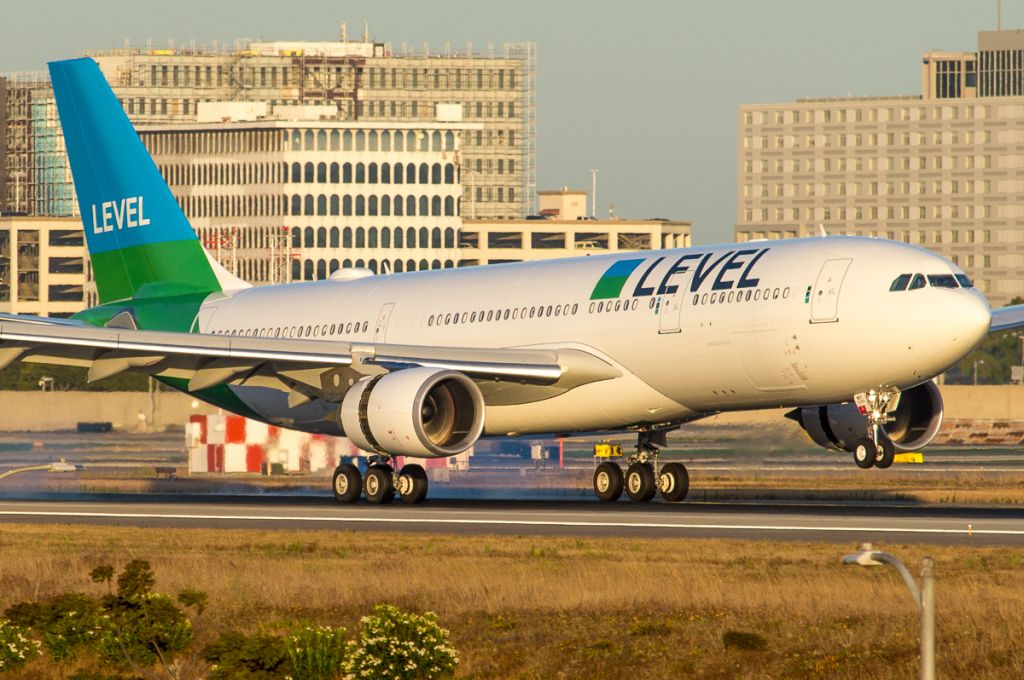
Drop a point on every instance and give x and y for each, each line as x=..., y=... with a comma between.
x=139, y=240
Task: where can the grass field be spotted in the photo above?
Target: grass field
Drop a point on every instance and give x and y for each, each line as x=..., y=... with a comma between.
x=548, y=607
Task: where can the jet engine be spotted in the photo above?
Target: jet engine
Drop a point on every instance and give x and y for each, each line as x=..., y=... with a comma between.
x=420, y=412
x=914, y=425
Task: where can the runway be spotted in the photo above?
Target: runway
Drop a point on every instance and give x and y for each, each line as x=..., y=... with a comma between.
x=836, y=522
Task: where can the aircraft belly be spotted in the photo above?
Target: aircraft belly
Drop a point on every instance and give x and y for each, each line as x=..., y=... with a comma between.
x=609, y=404
x=316, y=417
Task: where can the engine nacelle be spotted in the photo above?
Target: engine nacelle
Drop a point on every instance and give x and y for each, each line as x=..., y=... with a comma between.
x=421, y=412
x=915, y=423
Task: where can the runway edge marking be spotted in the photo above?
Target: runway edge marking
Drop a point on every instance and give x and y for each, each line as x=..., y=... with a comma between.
x=501, y=522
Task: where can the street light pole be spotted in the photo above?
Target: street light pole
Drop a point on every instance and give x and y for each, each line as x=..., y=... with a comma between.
x=924, y=598
x=593, y=192
x=927, y=620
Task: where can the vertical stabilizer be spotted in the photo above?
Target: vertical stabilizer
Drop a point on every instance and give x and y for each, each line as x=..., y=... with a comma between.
x=140, y=242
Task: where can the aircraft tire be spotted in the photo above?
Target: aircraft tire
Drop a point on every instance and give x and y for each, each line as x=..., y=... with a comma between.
x=886, y=453
x=608, y=482
x=864, y=453
x=412, y=484
x=640, y=482
x=378, y=486
x=347, y=483
x=674, y=482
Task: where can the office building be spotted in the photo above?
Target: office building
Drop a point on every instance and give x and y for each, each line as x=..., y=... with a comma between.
x=944, y=170
x=357, y=81
x=41, y=265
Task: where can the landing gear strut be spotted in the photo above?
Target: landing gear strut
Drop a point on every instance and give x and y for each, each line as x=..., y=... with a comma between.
x=876, y=450
x=643, y=478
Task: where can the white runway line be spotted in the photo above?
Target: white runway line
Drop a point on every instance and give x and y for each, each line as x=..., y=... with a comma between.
x=508, y=522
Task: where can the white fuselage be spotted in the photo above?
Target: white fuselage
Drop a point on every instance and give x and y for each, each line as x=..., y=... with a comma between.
x=693, y=331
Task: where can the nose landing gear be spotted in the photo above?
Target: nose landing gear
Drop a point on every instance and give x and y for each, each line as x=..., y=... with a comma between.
x=644, y=478
x=876, y=450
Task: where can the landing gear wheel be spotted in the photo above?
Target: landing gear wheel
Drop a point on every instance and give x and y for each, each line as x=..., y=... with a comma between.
x=886, y=453
x=674, y=482
x=608, y=482
x=640, y=483
x=348, y=483
x=412, y=484
x=378, y=485
x=864, y=453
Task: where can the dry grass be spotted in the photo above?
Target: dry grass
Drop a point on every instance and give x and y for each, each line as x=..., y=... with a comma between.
x=549, y=607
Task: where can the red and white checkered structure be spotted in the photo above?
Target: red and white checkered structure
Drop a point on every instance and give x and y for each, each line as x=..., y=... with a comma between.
x=230, y=443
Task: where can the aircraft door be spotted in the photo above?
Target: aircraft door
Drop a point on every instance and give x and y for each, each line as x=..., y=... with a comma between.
x=670, y=310
x=380, y=330
x=825, y=296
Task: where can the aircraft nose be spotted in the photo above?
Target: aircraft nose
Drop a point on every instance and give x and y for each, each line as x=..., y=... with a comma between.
x=973, y=317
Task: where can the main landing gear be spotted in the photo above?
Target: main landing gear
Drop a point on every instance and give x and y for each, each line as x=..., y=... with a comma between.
x=644, y=477
x=381, y=483
x=876, y=449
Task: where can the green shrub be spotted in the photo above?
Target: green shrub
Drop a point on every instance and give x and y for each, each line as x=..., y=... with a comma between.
x=128, y=628
x=317, y=653
x=64, y=623
x=16, y=646
x=397, y=645
x=235, y=656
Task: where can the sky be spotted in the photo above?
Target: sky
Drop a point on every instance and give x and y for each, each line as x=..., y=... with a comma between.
x=644, y=91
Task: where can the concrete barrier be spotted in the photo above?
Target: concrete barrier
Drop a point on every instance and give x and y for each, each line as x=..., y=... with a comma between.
x=126, y=411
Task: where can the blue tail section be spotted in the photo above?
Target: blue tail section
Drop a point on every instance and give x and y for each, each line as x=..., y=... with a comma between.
x=123, y=198
x=139, y=240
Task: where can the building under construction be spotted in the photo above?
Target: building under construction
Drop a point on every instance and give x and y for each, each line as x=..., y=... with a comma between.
x=359, y=80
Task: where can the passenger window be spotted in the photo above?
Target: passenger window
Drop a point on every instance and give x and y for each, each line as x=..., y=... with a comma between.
x=900, y=283
x=917, y=282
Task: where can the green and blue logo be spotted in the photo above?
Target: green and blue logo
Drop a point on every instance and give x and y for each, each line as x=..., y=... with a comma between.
x=612, y=281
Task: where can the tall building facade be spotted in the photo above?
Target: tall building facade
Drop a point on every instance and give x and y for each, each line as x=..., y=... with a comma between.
x=360, y=81
x=282, y=199
x=944, y=170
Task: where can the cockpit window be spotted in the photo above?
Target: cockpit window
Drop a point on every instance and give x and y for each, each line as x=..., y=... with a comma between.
x=942, y=281
x=917, y=282
x=964, y=281
x=900, y=283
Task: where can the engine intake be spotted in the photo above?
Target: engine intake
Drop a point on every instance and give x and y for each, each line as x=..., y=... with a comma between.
x=915, y=423
x=420, y=412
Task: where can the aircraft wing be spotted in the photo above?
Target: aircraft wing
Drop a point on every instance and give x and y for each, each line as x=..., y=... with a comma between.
x=1007, y=318
x=308, y=368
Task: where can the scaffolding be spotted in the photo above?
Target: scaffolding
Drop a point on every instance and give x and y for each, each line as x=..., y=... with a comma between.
x=362, y=80
x=527, y=53
x=22, y=89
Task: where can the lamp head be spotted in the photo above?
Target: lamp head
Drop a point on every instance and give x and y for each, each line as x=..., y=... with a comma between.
x=865, y=558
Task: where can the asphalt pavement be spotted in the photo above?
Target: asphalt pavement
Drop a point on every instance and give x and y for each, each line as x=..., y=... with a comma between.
x=842, y=522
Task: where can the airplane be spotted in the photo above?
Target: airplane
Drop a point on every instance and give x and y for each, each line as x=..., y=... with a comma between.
x=848, y=332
